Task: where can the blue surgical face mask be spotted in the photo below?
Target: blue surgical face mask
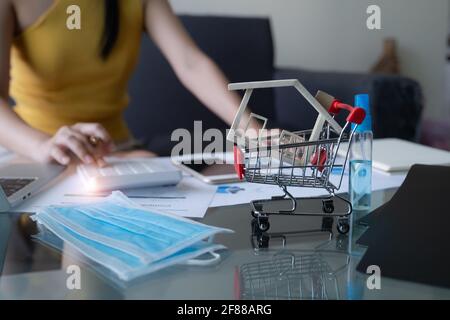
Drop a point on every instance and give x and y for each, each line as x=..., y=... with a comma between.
x=127, y=239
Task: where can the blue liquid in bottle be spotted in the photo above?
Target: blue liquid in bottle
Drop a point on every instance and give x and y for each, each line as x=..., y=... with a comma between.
x=360, y=184
x=360, y=175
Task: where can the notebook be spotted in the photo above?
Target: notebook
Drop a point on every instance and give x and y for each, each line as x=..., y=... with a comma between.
x=393, y=154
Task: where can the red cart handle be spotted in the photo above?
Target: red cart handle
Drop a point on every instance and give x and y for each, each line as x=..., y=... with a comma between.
x=356, y=115
x=238, y=162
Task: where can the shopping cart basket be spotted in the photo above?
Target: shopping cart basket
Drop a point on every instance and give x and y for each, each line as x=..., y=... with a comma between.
x=293, y=159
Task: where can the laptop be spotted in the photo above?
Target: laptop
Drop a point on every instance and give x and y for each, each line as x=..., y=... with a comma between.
x=19, y=181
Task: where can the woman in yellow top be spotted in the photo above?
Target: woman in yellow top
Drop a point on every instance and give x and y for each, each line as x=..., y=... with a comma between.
x=69, y=78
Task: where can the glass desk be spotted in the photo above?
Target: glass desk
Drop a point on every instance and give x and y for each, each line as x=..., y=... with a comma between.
x=320, y=265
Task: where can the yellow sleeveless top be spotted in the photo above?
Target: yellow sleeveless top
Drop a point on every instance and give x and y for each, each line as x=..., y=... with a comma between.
x=58, y=76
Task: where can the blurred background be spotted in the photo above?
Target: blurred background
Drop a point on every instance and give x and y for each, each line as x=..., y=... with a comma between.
x=327, y=45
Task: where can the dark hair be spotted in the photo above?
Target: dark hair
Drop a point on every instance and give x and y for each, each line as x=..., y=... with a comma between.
x=111, y=27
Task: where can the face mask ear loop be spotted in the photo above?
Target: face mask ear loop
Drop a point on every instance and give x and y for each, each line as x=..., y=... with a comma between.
x=204, y=262
x=211, y=238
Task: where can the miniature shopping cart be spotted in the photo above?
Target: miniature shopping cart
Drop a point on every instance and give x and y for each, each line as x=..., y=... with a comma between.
x=294, y=159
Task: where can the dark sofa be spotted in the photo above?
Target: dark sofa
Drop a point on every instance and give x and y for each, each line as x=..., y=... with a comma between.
x=243, y=48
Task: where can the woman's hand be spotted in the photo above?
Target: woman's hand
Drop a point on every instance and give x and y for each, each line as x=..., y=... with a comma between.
x=76, y=142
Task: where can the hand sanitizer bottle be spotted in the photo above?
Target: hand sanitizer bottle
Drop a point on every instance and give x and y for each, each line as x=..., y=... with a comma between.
x=360, y=184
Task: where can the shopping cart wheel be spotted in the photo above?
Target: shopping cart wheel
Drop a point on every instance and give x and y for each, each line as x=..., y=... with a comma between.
x=327, y=206
x=263, y=241
x=263, y=224
x=342, y=226
x=255, y=227
x=258, y=208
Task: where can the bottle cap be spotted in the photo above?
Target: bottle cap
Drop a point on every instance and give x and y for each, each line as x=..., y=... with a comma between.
x=362, y=101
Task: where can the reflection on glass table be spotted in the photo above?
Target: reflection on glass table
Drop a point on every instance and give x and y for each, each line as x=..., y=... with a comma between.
x=293, y=265
x=287, y=275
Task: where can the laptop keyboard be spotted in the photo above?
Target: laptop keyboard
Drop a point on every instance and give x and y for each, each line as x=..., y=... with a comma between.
x=11, y=186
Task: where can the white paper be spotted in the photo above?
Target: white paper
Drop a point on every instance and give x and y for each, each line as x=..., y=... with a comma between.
x=238, y=193
x=190, y=198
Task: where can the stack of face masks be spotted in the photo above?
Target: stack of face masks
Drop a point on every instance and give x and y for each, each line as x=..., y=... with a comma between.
x=128, y=240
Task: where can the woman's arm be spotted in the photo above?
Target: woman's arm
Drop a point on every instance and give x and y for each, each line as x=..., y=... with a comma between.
x=17, y=136
x=196, y=71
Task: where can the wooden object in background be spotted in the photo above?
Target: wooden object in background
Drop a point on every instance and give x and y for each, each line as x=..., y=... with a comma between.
x=388, y=62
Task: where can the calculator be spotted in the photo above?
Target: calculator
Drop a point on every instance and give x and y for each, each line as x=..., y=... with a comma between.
x=129, y=173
